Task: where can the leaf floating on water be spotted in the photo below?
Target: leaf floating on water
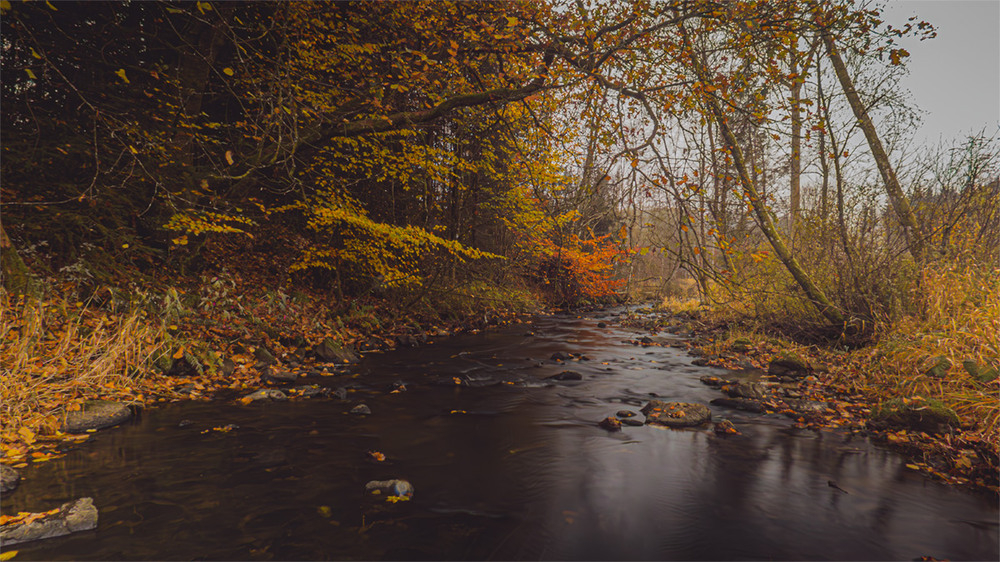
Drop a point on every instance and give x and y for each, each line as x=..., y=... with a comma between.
x=394, y=499
x=324, y=511
x=9, y=555
x=376, y=456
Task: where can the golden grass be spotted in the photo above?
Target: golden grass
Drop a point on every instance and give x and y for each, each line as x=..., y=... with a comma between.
x=960, y=320
x=53, y=352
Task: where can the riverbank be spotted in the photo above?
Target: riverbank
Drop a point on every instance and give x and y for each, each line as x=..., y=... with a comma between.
x=213, y=337
x=940, y=411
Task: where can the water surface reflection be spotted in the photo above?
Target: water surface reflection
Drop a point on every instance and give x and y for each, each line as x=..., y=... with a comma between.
x=506, y=465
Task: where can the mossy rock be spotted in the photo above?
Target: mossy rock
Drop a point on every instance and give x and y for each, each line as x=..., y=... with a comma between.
x=982, y=373
x=929, y=416
x=788, y=363
x=741, y=345
x=940, y=368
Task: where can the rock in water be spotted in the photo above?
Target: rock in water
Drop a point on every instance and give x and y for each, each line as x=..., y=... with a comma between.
x=79, y=515
x=751, y=390
x=744, y=404
x=566, y=376
x=265, y=394
x=332, y=352
x=394, y=487
x=9, y=477
x=361, y=409
x=676, y=414
x=96, y=414
x=725, y=427
x=610, y=423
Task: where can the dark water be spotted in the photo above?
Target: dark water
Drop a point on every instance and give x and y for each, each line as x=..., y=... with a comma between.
x=524, y=473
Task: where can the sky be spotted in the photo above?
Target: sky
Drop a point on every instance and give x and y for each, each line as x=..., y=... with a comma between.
x=955, y=77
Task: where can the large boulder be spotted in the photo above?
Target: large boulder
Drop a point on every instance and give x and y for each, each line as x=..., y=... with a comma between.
x=96, y=414
x=79, y=515
x=330, y=351
x=676, y=414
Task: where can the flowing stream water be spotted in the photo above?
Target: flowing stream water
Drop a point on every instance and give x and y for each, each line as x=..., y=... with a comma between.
x=505, y=465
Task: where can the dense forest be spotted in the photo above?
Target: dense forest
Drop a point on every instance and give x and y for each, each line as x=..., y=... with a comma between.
x=179, y=176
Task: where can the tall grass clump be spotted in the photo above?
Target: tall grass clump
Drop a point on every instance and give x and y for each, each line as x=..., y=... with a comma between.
x=54, y=352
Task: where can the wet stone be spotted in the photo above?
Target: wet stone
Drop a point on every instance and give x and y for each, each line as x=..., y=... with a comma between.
x=566, y=376
x=339, y=393
x=9, y=477
x=79, y=515
x=561, y=356
x=602, y=325
x=311, y=390
x=624, y=413
x=394, y=487
x=332, y=352
x=361, y=409
x=279, y=377
x=610, y=423
x=632, y=421
x=676, y=414
x=743, y=404
x=96, y=414
x=751, y=390
x=267, y=395
x=725, y=427
x=714, y=381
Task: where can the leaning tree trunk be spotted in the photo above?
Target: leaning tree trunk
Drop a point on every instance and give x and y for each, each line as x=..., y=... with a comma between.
x=812, y=291
x=900, y=204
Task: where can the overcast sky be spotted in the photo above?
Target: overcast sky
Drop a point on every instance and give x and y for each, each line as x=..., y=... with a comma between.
x=954, y=77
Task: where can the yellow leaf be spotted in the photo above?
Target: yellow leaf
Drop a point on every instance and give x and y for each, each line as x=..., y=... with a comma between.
x=511, y=22
x=228, y=71
x=26, y=434
x=121, y=74
x=35, y=54
x=30, y=74
x=10, y=554
x=4, y=7
x=229, y=157
x=49, y=4
x=179, y=354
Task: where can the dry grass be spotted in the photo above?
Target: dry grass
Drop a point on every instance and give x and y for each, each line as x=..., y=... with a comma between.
x=960, y=321
x=53, y=352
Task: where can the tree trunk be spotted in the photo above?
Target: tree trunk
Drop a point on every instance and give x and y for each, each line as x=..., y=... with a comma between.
x=900, y=204
x=813, y=292
x=795, y=165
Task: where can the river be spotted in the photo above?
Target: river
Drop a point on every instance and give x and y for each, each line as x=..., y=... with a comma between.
x=505, y=465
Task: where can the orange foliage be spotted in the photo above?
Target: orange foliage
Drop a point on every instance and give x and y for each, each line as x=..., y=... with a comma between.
x=583, y=269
